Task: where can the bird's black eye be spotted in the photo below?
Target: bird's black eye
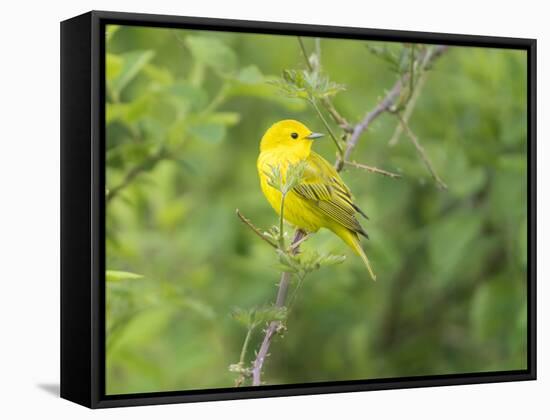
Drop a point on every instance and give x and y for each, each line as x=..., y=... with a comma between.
x=294, y=135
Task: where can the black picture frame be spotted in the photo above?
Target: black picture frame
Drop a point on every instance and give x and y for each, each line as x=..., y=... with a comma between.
x=83, y=208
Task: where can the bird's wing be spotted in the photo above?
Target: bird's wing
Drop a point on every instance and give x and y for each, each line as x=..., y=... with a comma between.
x=322, y=186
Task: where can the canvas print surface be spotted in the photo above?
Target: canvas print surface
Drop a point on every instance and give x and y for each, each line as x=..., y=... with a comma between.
x=245, y=249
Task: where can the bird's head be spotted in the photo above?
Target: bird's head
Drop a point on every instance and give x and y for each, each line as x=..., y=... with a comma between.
x=291, y=135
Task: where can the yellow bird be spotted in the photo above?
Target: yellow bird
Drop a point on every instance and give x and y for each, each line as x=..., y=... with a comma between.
x=321, y=200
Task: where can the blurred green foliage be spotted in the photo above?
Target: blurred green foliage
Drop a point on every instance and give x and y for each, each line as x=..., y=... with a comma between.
x=185, y=114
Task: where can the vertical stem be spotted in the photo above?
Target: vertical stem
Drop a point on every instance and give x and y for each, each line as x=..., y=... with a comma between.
x=245, y=345
x=304, y=52
x=411, y=70
x=325, y=123
x=422, y=152
x=274, y=325
x=338, y=119
x=281, y=221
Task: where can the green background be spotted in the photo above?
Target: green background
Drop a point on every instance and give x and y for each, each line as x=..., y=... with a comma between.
x=185, y=113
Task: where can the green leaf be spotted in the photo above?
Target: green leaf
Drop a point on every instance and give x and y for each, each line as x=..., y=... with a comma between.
x=213, y=53
x=200, y=308
x=186, y=96
x=463, y=178
x=141, y=329
x=386, y=53
x=292, y=84
x=225, y=118
x=113, y=66
x=288, y=263
x=209, y=132
x=110, y=30
x=114, y=112
x=272, y=233
x=284, y=182
x=158, y=74
x=275, y=178
x=328, y=260
x=270, y=313
x=132, y=63
x=132, y=152
x=294, y=175
x=495, y=308
x=171, y=214
x=268, y=92
x=250, y=75
x=311, y=260
x=177, y=132
x=253, y=317
x=113, y=275
x=129, y=112
x=306, y=85
x=243, y=316
x=513, y=162
x=450, y=241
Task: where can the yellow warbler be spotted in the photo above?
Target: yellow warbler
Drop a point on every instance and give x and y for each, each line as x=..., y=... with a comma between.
x=321, y=199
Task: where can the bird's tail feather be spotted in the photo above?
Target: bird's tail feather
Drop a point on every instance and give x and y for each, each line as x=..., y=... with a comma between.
x=352, y=240
x=365, y=259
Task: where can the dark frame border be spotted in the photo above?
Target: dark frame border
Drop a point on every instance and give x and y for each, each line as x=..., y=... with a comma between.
x=83, y=208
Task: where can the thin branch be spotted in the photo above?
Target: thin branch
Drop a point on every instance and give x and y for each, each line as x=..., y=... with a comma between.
x=274, y=326
x=327, y=126
x=304, y=53
x=373, y=169
x=245, y=345
x=387, y=102
x=434, y=54
x=380, y=108
x=244, y=373
x=421, y=152
x=296, y=245
x=134, y=172
x=408, y=109
x=430, y=55
x=326, y=102
x=282, y=221
x=411, y=74
x=336, y=116
x=256, y=230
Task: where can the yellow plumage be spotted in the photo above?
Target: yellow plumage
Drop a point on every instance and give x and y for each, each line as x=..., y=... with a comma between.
x=321, y=200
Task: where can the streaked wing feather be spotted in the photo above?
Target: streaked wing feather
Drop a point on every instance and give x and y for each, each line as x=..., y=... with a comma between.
x=323, y=186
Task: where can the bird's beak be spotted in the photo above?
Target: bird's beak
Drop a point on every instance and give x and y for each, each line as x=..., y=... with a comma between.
x=314, y=136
